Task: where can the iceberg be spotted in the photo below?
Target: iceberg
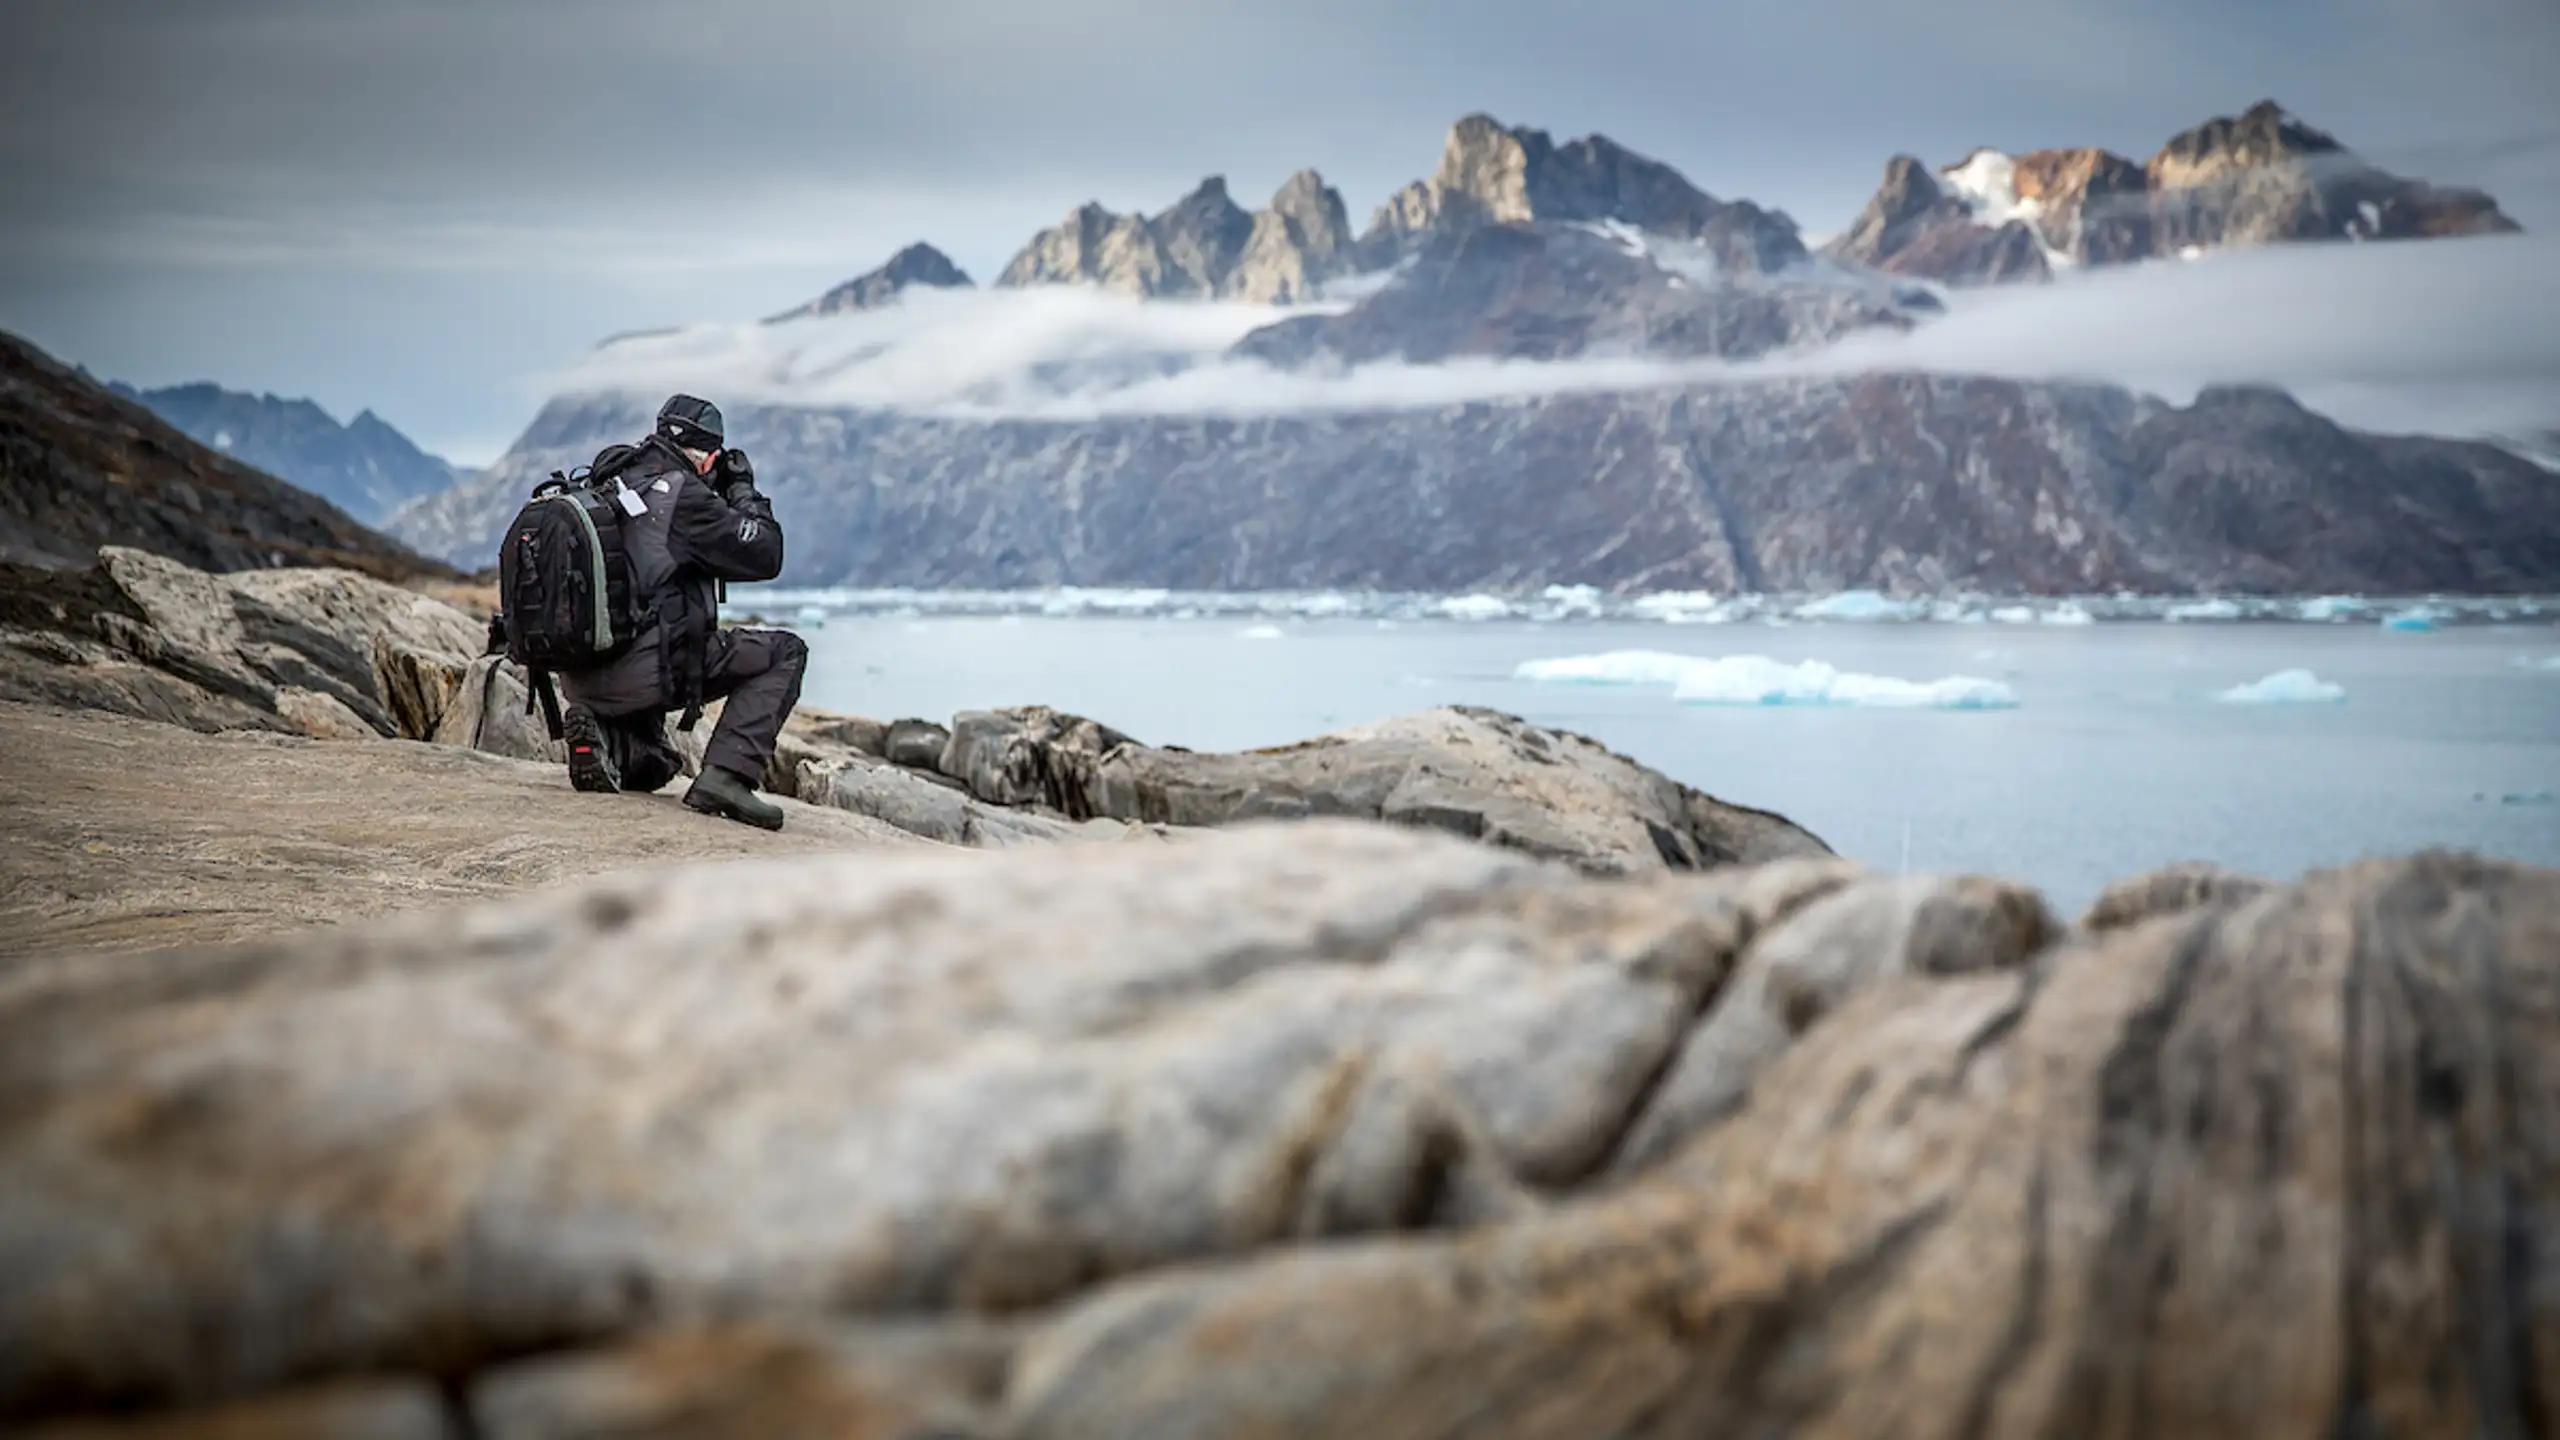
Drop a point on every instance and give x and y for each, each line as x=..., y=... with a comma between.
x=2015, y=615
x=2285, y=687
x=813, y=616
x=2067, y=613
x=1682, y=607
x=1568, y=601
x=1475, y=607
x=1264, y=632
x=2418, y=620
x=1617, y=667
x=2329, y=607
x=1759, y=680
x=1861, y=605
x=2204, y=610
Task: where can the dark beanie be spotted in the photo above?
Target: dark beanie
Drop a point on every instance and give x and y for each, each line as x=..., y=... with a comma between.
x=692, y=423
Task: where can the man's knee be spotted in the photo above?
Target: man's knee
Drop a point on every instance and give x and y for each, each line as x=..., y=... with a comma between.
x=790, y=652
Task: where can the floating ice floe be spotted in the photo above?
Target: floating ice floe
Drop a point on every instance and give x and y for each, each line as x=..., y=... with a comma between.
x=2067, y=613
x=1570, y=602
x=1858, y=605
x=2285, y=687
x=2415, y=621
x=2329, y=607
x=1263, y=632
x=812, y=616
x=1759, y=680
x=2204, y=610
x=1476, y=607
x=1683, y=607
x=1616, y=667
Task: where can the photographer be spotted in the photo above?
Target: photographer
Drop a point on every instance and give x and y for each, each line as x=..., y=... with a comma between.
x=694, y=520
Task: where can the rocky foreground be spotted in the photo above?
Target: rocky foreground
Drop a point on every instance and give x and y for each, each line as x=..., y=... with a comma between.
x=1311, y=1129
x=1567, y=1102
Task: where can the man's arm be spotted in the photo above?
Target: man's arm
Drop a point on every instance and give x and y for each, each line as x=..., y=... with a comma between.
x=729, y=531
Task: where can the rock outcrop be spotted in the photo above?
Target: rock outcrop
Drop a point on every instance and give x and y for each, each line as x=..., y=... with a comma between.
x=1301, y=240
x=1901, y=483
x=148, y=637
x=1205, y=246
x=1916, y=226
x=1498, y=174
x=918, y=264
x=1477, y=773
x=2259, y=178
x=82, y=467
x=1311, y=1129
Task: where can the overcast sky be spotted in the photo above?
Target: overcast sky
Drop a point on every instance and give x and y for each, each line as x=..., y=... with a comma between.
x=421, y=206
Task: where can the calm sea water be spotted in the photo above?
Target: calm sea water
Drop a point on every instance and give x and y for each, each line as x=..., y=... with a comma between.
x=2117, y=757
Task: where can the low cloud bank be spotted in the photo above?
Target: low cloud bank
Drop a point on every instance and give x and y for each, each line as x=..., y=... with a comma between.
x=2442, y=337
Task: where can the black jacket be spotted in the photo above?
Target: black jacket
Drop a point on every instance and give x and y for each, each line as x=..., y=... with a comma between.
x=690, y=537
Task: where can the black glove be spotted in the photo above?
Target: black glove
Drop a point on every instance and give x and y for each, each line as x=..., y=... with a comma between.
x=497, y=633
x=733, y=473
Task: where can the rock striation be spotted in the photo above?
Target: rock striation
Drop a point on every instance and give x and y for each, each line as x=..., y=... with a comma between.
x=2259, y=178
x=1322, y=1128
x=917, y=265
x=81, y=467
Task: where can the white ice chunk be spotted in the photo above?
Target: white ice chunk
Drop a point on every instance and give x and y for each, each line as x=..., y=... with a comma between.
x=2329, y=607
x=1759, y=680
x=1859, y=605
x=1263, y=632
x=1475, y=607
x=2067, y=613
x=2205, y=610
x=1616, y=667
x=2285, y=687
x=2417, y=620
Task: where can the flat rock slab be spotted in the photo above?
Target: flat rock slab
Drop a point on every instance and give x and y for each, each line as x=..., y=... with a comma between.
x=125, y=834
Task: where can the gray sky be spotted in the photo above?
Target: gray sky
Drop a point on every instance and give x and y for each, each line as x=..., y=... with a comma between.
x=422, y=205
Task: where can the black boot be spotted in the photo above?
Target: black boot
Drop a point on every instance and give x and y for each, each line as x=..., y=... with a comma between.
x=590, y=762
x=720, y=792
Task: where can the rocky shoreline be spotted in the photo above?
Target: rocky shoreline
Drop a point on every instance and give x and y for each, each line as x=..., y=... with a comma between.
x=1567, y=1101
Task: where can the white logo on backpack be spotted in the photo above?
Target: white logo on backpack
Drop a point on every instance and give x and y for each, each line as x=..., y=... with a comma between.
x=747, y=531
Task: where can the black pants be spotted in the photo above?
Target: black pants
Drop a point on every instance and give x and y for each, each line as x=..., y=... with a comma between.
x=757, y=671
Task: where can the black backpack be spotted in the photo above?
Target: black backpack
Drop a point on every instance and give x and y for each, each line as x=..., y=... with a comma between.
x=566, y=598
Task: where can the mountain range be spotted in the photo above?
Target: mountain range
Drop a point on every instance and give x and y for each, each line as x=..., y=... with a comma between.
x=82, y=466
x=364, y=467
x=1518, y=249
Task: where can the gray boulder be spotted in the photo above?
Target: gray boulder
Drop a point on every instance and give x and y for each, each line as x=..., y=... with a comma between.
x=1477, y=773
x=873, y=1083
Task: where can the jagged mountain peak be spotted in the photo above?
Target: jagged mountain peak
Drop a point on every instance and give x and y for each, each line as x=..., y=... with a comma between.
x=1494, y=173
x=917, y=264
x=2261, y=177
x=365, y=467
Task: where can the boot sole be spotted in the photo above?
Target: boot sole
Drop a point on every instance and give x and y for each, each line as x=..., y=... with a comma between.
x=588, y=768
x=714, y=807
